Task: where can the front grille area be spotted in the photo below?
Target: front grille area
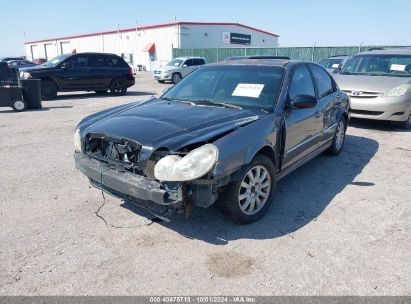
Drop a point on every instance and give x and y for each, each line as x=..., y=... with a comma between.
x=371, y=113
x=122, y=154
x=157, y=72
x=362, y=94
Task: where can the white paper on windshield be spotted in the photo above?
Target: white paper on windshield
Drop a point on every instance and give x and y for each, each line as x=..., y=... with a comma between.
x=335, y=65
x=397, y=67
x=248, y=90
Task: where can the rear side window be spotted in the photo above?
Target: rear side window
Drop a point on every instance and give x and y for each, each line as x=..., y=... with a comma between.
x=301, y=83
x=198, y=61
x=97, y=61
x=322, y=80
x=116, y=62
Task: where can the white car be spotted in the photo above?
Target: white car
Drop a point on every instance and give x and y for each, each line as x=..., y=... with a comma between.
x=178, y=68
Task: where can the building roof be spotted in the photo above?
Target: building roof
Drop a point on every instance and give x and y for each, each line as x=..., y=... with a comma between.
x=152, y=27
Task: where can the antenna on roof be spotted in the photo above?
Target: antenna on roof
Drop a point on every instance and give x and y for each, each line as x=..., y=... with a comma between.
x=174, y=17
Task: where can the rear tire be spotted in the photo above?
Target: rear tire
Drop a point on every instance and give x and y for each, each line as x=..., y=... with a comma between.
x=118, y=86
x=48, y=90
x=19, y=105
x=339, y=138
x=249, y=198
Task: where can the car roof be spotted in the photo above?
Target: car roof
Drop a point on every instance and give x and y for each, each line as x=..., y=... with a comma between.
x=263, y=62
x=189, y=57
x=405, y=51
x=338, y=57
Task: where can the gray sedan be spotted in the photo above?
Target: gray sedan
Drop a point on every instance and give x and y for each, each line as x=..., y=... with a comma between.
x=379, y=84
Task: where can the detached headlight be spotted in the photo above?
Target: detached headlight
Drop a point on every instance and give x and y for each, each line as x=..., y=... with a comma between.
x=399, y=91
x=77, y=141
x=195, y=164
x=25, y=75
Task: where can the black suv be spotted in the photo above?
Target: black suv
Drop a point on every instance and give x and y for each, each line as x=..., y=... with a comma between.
x=82, y=72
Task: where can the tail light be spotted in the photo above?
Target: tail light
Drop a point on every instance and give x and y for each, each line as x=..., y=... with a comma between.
x=131, y=72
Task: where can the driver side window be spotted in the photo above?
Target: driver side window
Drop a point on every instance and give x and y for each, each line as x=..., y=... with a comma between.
x=301, y=83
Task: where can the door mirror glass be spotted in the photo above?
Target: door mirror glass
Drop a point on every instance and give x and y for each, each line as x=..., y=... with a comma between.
x=64, y=65
x=184, y=65
x=303, y=102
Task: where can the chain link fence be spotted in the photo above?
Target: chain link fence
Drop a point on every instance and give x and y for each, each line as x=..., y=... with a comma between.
x=296, y=53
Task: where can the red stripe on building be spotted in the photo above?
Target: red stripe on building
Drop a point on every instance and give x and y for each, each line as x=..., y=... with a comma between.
x=152, y=27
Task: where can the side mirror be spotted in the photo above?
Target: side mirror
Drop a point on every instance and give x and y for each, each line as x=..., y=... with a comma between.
x=64, y=66
x=303, y=102
x=184, y=65
x=336, y=67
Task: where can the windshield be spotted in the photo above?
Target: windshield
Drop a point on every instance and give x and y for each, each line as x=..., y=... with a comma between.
x=176, y=62
x=244, y=86
x=56, y=60
x=379, y=65
x=331, y=63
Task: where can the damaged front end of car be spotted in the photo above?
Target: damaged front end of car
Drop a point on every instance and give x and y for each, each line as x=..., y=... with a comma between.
x=127, y=170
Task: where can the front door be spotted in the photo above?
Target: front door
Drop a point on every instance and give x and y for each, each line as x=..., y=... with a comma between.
x=303, y=125
x=75, y=75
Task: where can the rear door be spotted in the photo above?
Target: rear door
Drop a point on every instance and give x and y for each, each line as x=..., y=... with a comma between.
x=98, y=73
x=303, y=126
x=328, y=102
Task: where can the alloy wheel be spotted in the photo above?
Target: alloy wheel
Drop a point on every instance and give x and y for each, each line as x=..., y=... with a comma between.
x=254, y=190
x=340, y=135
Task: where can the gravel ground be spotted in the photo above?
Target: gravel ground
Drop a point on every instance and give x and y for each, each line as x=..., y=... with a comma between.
x=339, y=225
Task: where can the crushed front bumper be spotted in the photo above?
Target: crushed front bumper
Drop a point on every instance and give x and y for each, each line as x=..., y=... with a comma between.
x=125, y=183
x=201, y=193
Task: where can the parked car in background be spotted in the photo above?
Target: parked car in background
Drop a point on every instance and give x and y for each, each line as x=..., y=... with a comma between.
x=40, y=60
x=229, y=130
x=379, y=83
x=11, y=58
x=334, y=63
x=17, y=64
x=178, y=68
x=82, y=72
x=256, y=57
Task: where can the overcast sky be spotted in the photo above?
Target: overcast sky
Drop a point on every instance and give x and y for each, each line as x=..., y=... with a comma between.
x=298, y=22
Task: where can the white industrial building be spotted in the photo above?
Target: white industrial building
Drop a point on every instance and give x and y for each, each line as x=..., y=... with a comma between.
x=151, y=46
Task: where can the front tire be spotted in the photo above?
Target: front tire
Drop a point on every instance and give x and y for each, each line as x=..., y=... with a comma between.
x=176, y=78
x=19, y=105
x=405, y=124
x=48, y=90
x=118, y=86
x=249, y=198
x=339, y=138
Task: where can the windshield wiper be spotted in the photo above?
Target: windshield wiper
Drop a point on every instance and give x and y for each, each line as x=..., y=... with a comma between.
x=178, y=100
x=224, y=104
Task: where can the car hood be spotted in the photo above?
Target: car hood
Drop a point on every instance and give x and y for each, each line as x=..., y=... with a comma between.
x=378, y=84
x=168, y=124
x=167, y=68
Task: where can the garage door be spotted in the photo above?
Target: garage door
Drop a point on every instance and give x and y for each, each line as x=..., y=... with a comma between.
x=34, y=52
x=65, y=47
x=50, y=51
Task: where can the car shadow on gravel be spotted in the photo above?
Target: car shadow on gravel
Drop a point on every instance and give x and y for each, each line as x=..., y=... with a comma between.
x=300, y=199
x=379, y=125
x=38, y=110
x=87, y=95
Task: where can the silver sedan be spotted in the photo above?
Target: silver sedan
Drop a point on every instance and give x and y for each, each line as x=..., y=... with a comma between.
x=379, y=84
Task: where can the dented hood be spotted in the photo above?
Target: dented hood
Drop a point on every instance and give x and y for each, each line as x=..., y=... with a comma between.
x=170, y=124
